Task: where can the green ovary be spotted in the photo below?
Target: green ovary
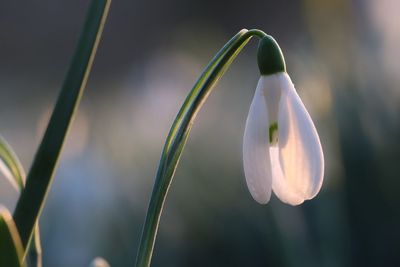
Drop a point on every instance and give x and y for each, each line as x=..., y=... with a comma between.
x=273, y=133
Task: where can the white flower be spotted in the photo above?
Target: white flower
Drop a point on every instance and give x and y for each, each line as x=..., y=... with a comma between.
x=99, y=262
x=281, y=147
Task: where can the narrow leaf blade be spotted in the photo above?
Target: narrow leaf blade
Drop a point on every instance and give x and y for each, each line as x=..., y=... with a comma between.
x=10, y=165
x=39, y=179
x=12, y=169
x=10, y=243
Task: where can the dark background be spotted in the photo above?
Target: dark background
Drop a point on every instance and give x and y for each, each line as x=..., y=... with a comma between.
x=343, y=58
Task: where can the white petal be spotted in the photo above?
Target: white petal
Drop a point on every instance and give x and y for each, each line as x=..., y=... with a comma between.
x=272, y=93
x=256, y=159
x=300, y=151
x=279, y=184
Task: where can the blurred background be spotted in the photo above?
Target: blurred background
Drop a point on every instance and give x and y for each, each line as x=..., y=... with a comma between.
x=343, y=57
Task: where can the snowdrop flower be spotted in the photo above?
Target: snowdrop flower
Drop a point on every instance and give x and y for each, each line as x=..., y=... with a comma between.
x=99, y=262
x=281, y=148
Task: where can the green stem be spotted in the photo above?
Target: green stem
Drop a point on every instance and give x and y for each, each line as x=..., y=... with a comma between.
x=39, y=179
x=35, y=251
x=178, y=135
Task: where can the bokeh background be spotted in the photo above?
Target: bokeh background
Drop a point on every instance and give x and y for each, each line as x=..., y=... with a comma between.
x=343, y=57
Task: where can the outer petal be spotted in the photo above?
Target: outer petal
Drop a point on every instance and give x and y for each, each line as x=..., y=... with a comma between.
x=300, y=151
x=280, y=185
x=256, y=159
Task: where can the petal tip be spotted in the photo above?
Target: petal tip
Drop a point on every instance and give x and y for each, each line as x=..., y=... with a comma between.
x=295, y=203
x=261, y=198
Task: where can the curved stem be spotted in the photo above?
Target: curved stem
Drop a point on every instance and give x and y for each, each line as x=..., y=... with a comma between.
x=178, y=135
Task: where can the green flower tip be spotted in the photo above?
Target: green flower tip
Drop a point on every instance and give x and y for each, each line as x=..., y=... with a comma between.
x=269, y=57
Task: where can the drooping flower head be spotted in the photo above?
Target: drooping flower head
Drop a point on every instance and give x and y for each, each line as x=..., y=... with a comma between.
x=281, y=147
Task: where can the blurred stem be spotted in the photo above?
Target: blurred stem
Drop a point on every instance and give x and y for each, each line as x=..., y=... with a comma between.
x=35, y=251
x=33, y=197
x=18, y=177
x=10, y=244
x=13, y=164
x=178, y=135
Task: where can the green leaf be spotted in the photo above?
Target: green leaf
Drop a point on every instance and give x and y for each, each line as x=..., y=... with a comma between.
x=10, y=243
x=39, y=179
x=12, y=168
x=10, y=165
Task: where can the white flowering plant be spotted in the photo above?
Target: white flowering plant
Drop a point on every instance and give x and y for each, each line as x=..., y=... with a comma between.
x=281, y=148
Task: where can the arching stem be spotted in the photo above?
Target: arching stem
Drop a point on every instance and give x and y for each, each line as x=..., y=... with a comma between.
x=178, y=135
